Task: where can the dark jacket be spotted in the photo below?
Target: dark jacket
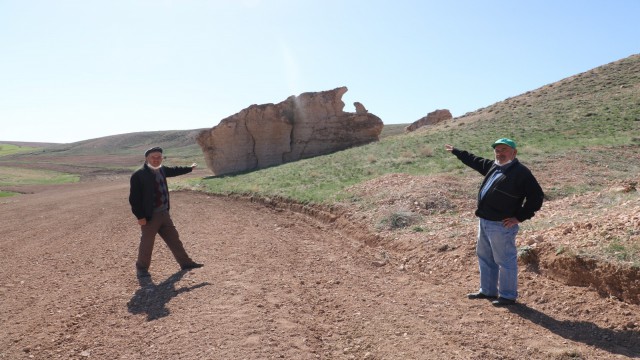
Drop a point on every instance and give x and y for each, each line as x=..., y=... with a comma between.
x=516, y=193
x=142, y=192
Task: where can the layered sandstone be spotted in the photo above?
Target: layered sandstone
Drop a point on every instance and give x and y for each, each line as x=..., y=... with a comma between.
x=299, y=127
x=432, y=118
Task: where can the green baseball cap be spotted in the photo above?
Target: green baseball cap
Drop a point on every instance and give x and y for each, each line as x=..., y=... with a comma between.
x=504, y=141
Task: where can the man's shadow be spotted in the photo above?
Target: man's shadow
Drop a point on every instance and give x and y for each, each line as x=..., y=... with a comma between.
x=151, y=299
x=623, y=342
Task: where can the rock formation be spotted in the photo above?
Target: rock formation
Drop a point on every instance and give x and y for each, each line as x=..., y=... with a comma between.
x=431, y=119
x=360, y=109
x=303, y=126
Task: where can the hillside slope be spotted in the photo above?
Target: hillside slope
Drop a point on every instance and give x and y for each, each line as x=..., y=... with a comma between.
x=580, y=136
x=111, y=154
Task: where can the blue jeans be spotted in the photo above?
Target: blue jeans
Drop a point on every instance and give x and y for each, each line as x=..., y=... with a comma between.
x=498, y=259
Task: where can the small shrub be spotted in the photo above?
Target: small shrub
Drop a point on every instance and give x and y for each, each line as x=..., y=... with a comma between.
x=619, y=251
x=527, y=255
x=399, y=220
x=407, y=155
x=570, y=354
x=426, y=151
x=445, y=247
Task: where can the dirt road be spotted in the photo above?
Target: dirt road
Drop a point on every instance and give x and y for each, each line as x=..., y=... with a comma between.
x=276, y=284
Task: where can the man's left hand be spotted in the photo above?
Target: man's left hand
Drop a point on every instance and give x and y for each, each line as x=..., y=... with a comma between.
x=510, y=222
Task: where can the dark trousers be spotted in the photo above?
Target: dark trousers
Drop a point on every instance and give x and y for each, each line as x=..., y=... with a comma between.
x=162, y=225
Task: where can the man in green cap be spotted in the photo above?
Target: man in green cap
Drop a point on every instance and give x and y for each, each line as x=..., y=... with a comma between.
x=509, y=195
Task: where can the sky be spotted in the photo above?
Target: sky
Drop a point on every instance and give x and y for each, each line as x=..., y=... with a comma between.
x=73, y=70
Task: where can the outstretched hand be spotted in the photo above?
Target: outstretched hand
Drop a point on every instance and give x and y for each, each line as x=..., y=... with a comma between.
x=194, y=165
x=448, y=147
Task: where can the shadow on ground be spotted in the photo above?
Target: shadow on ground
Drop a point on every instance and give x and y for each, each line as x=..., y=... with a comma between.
x=622, y=342
x=152, y=299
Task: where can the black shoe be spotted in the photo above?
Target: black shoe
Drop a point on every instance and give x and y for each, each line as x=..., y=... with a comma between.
x=194, y=265
x=142, y=273
x=480, y=295
x=503, y=302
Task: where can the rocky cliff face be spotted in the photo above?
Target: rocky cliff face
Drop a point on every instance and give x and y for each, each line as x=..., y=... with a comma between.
x=432, y=118
x=303, y=126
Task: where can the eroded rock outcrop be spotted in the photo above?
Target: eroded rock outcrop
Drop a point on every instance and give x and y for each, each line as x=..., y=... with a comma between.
x=432, y=118
x=303, y=126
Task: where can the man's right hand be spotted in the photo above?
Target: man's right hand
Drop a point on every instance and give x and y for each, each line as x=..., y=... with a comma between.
x=448, y=147
x=142, y=221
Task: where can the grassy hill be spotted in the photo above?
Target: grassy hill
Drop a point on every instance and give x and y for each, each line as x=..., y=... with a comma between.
x=182, y=142
x=583, y=117
x=103, y=156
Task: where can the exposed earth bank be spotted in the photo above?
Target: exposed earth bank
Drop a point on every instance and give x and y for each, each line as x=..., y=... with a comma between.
x=276, y=284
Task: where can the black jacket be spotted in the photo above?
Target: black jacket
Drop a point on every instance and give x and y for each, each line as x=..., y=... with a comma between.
x=516, y=193
x=142, y=192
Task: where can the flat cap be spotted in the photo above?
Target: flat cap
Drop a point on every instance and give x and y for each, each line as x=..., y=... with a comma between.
x=153, y=149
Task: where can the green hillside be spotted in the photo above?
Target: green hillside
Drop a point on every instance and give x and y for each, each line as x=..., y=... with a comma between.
x=182, y=142
x=110, y=154
x=597, y=110
x=10, y=149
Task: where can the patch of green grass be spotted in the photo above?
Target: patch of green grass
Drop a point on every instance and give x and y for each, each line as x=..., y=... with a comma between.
x=7, y=193
x=560, y=250
x=564, y=190
x=8, y=149
x=622, y=251
x=11, y=176
x=392, y=130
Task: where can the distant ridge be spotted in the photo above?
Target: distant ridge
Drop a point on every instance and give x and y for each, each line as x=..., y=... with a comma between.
x=29, y=143
x=109, y=154
x=124, y=143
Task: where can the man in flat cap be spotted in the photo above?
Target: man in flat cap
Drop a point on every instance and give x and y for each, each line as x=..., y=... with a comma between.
x=149, y=199
x=509, y=195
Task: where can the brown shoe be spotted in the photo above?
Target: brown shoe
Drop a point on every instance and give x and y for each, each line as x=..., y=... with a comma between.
x=193, y=265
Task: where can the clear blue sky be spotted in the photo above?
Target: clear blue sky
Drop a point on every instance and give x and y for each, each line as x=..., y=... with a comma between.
x=73, y=70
